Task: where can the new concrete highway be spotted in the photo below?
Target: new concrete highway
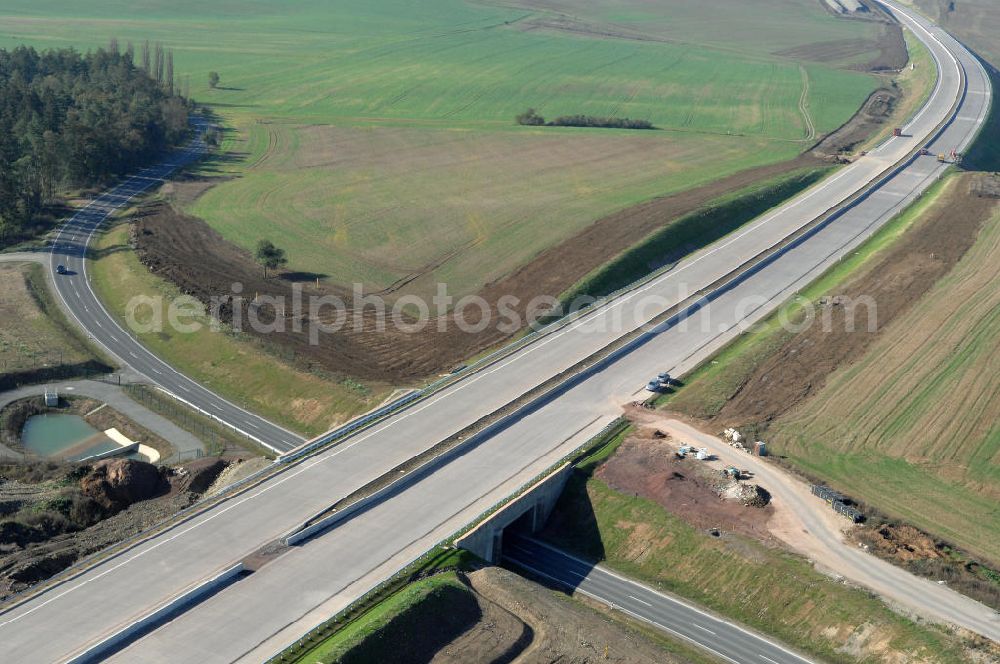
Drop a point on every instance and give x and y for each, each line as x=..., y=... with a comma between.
x=258, y=614
x=722, y=638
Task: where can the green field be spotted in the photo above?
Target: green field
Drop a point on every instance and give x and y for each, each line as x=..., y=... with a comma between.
x=37, y=342
x=910, y=427
x=375, y=141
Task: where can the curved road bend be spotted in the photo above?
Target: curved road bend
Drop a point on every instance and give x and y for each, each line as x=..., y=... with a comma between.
x=266, y=610
x=79, y=299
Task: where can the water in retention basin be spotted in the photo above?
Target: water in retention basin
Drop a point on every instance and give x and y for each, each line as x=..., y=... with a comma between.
x=66, y=437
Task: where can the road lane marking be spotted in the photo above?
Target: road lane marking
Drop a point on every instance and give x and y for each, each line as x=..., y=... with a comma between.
x=704, y=629
x=669, y=598
x=768, y=659
x=641, y=601
x=644, y=619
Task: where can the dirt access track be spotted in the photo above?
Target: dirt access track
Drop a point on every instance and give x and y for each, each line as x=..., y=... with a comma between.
x=188, y=253
x=807, y=525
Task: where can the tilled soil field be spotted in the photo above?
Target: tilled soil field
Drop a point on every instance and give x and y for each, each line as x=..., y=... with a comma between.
x=907, y=271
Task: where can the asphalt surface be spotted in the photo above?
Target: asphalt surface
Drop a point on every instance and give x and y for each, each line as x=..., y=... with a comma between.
x=720, y=637
x=78, y=298
x=255, y=617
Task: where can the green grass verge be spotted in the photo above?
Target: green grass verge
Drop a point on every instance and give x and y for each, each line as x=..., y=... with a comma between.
x=41, y=292
x=38, y=343
x=403, y=593
x=423, y=617
x=218, y=439
x=766, y=588
x=236, y=367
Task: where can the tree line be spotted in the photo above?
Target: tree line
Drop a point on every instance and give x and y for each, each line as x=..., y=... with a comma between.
x=71, y=119
x=533, y=119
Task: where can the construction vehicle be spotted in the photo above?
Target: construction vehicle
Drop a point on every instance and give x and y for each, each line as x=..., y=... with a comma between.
x=952, y=157
x=732, y=471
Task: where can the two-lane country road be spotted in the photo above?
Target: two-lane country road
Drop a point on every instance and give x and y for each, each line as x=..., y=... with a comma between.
x=258, y=614
x=720, y=637
x=70, y=250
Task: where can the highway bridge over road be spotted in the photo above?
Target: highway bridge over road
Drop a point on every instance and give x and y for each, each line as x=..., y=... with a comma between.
x=257, y=614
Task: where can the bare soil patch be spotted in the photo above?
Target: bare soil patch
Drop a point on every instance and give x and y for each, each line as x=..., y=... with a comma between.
x=866, y=122
x=52, y=514
x=908, y=270
x=646, y=465
x=891, y=46
x=187, y=252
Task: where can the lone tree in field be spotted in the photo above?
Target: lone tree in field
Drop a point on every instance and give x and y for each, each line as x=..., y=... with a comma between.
x=270, y=256
x=213, y=79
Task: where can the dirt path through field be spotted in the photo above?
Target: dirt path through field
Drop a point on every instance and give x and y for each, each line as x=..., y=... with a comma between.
x=804, y=105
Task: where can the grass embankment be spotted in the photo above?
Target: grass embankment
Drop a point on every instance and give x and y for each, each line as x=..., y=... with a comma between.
x=37, y=342
x=218, y=439
x=235, y=367
x=766, y=588
x=707, y=389
x=915, y=84
x=393, y=613
x=909, y=426
x=424, y=616
x=380, y=117
x=693, y=231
